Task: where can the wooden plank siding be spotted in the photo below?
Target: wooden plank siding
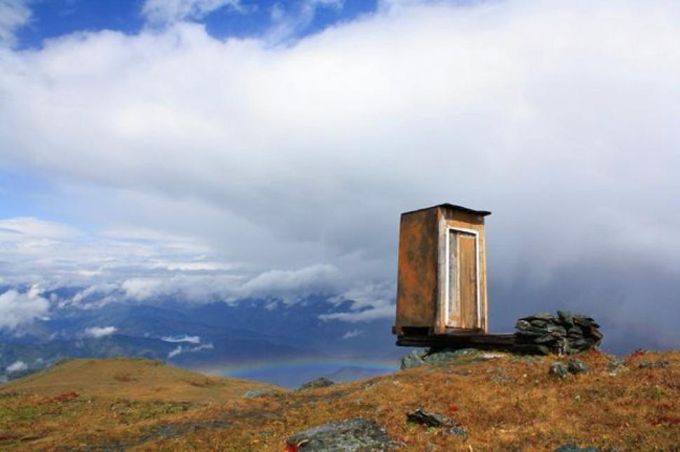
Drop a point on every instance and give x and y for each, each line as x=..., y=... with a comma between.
x=467, y=278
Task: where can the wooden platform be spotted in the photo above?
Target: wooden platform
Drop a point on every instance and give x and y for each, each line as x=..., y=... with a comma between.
x=501, y=342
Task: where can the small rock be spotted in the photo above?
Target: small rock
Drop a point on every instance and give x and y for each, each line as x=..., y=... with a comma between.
x=616, y=366
x=574, y=448
x=349, y=435
x=413, y=359
x=654, y=365
x=423, y=417
x=457, y=431
x=255, y=393
x=559, y=369
x=321, y=382
x=577, y=367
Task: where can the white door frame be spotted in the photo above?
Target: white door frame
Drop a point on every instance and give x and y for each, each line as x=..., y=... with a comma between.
x=447, y=284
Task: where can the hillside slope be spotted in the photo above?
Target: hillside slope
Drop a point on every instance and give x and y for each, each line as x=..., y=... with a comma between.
x=138, y=379
x=501, y=401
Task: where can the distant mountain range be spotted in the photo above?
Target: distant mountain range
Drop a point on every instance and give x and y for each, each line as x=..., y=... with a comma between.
x=211, y=335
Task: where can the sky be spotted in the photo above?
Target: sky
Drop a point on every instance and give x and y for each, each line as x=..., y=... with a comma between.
x=221, y=149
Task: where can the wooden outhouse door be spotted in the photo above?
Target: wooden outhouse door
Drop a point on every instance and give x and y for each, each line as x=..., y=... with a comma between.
x=462, y=294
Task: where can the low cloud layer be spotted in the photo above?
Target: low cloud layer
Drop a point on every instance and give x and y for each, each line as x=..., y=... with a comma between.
x=187, y=349
x=287, y=165
x=17, y=366
x=99, y=331
x=21, y=308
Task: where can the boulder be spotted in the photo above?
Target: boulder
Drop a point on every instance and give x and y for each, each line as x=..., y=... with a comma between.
x=320, y=382
x=349, y=435
x=427, y=418
x=559, y=370
x=413, y=359
x=577, y=367
x=435, y=420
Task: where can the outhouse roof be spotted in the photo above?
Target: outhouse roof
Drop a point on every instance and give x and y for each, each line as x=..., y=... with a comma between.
x=454, y=207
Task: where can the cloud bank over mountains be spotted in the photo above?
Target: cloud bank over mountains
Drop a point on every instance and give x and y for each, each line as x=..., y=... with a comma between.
x=257, y=168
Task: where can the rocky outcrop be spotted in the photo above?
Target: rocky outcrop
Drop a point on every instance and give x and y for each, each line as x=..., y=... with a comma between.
x=442, y=356
x=564, y=333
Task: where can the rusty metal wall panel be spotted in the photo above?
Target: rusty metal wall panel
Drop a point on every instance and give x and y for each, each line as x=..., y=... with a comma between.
x=418, y=270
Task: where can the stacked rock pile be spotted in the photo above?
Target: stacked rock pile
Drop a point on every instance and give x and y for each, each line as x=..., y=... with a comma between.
x=564, y=333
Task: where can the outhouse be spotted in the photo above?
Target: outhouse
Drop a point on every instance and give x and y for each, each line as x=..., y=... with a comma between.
x=442, y=273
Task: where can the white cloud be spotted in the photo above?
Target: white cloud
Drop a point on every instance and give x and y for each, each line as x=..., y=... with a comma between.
x=170, y=11
x=99, y=331
x=17, y=366
x=366, y=315
x=286, y=24
x=20, y=228
x=352, y=333
x=371, y=301
x=292, y=284
x=184, y=349
x=20, y=308
x=559, y=116
x=14, y=14
x=183, y=338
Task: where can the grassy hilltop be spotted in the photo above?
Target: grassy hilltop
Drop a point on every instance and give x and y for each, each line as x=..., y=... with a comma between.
x=503, y=402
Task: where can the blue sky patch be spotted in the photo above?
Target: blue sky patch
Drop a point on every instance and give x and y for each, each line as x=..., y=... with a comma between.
x=54, y=18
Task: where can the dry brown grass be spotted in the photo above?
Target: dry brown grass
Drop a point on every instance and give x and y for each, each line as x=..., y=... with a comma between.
x=135, y=379
x=507, y=403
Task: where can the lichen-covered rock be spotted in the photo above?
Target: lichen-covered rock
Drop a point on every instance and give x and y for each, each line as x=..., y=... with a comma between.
x=436, y=420
x=457, y=430
x=320, y=382
x=442, y=356
x=574, y=448
x=616, y=366
x=350, y=435
x=438, y=356
x=559, y=370
x=255, y=393
x=654, y=364
x=427, y=418
x=577, y=367
x=413, y=359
